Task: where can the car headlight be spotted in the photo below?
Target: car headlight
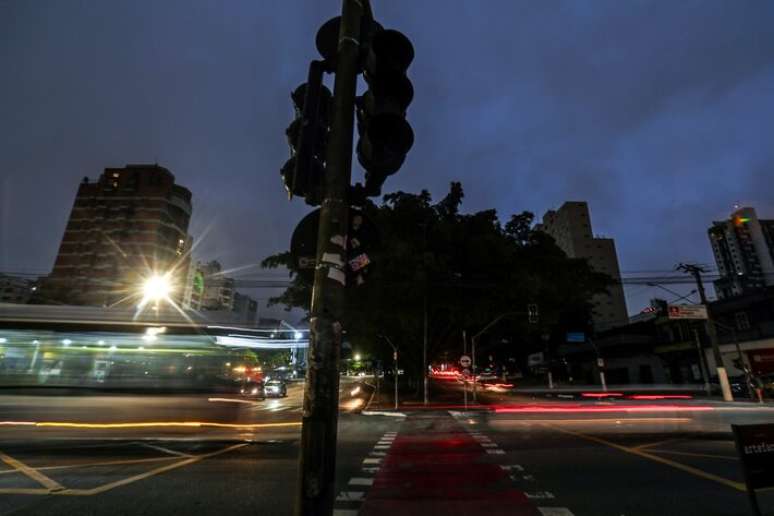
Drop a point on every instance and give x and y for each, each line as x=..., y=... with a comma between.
x=254, y=391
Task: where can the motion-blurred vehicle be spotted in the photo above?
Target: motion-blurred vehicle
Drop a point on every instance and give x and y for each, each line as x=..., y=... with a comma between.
x=275, y=388
x=251, y=389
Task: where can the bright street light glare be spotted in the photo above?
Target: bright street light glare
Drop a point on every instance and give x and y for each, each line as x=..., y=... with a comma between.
x=156, y=288
x=298, y=335
x=357, y=357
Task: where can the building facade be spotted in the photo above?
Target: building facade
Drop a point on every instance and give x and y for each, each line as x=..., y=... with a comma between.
x=743, y=247
x=16, y=290
x=570, y=226
x=129, y=224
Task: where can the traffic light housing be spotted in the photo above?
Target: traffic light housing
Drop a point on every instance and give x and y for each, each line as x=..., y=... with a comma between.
x=385, y=135
x=307, y=136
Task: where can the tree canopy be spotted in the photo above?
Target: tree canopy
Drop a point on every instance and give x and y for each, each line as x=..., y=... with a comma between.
x=466, y=269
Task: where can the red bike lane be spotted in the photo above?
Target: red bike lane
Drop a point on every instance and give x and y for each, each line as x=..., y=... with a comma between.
x=435, y=466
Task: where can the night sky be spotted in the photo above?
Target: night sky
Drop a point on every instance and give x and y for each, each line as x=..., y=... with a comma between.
x=659, y=114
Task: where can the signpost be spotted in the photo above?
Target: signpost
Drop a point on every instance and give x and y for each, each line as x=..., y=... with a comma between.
x=687, y=312
x=362, y=238
x=755, y=446
x=465, y=361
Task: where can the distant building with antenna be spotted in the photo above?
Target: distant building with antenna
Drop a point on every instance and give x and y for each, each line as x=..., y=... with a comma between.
x=743, y=246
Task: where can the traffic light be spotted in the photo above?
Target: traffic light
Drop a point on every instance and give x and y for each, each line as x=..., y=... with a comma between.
x=532, y=313
x=385, y=135
x=307, y=136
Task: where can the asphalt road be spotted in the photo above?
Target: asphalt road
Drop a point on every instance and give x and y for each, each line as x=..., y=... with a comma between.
x=513, y=456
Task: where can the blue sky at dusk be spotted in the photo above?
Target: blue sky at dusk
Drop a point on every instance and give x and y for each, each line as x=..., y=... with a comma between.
x=659, y=114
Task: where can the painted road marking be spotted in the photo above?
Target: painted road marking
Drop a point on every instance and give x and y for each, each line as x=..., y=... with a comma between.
x=32, y=473
x=62, y=491
x=370, y=470
x=345, y=512
x=739, y=486
x=540, y=495
x=694, y=454
x=93, y=464
x=382, y=447
x=361, y=481
x=378, y=454
x=165, y=450
x=148, y=474
x=350, y=496
x=372, y=461
x=512, y=466
x=489, y=445
x=649, y=445
x=495, y=452
x=555, y=511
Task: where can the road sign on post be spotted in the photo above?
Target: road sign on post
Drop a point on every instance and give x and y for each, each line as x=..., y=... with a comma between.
x=465, y=361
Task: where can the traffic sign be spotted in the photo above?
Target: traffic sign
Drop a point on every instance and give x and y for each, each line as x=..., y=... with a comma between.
x=755, y=446
x=363, y=239
x=687, y=311
x=465, y=361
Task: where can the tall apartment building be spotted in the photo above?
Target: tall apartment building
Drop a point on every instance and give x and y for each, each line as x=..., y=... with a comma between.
x=743, y=247
x=130, y=223
x=570, y=226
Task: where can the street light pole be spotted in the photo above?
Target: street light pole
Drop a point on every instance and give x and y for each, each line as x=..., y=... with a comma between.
x=395, y=362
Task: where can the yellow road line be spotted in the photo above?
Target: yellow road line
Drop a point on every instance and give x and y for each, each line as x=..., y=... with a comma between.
x=694, y=454
x=24, y=490
x=650, y=445
x=165, y=450
x=147, y=474
x=94, y=464
x=31, y=472
x=165, y=424
x=739, y=486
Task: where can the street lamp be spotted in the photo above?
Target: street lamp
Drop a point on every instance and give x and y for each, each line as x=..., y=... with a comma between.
x=357, y=357
x=395, y=360
x=156, y=288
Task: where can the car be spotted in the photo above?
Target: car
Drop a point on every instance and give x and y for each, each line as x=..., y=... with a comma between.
x=275, y=389
x=252, y=389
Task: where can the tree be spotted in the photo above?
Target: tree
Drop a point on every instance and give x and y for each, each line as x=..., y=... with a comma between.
x=470, y=267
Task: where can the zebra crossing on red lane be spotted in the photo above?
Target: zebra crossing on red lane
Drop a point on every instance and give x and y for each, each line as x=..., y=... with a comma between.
x=436, y=465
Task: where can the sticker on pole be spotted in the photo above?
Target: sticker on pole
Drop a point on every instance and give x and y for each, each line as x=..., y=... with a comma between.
x=465, y=361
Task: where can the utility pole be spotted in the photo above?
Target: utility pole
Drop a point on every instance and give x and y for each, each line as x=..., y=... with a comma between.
x=395, y=363
x=317, y=458
x=696, y=271
x=702, y=362
x=465, y=352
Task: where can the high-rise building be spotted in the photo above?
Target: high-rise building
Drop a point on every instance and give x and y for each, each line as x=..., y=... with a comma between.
x=743, y=247
x=128, y=225
x=570, y=227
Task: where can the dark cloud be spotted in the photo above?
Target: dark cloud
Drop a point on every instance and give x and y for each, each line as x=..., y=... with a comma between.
x=657, y=113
